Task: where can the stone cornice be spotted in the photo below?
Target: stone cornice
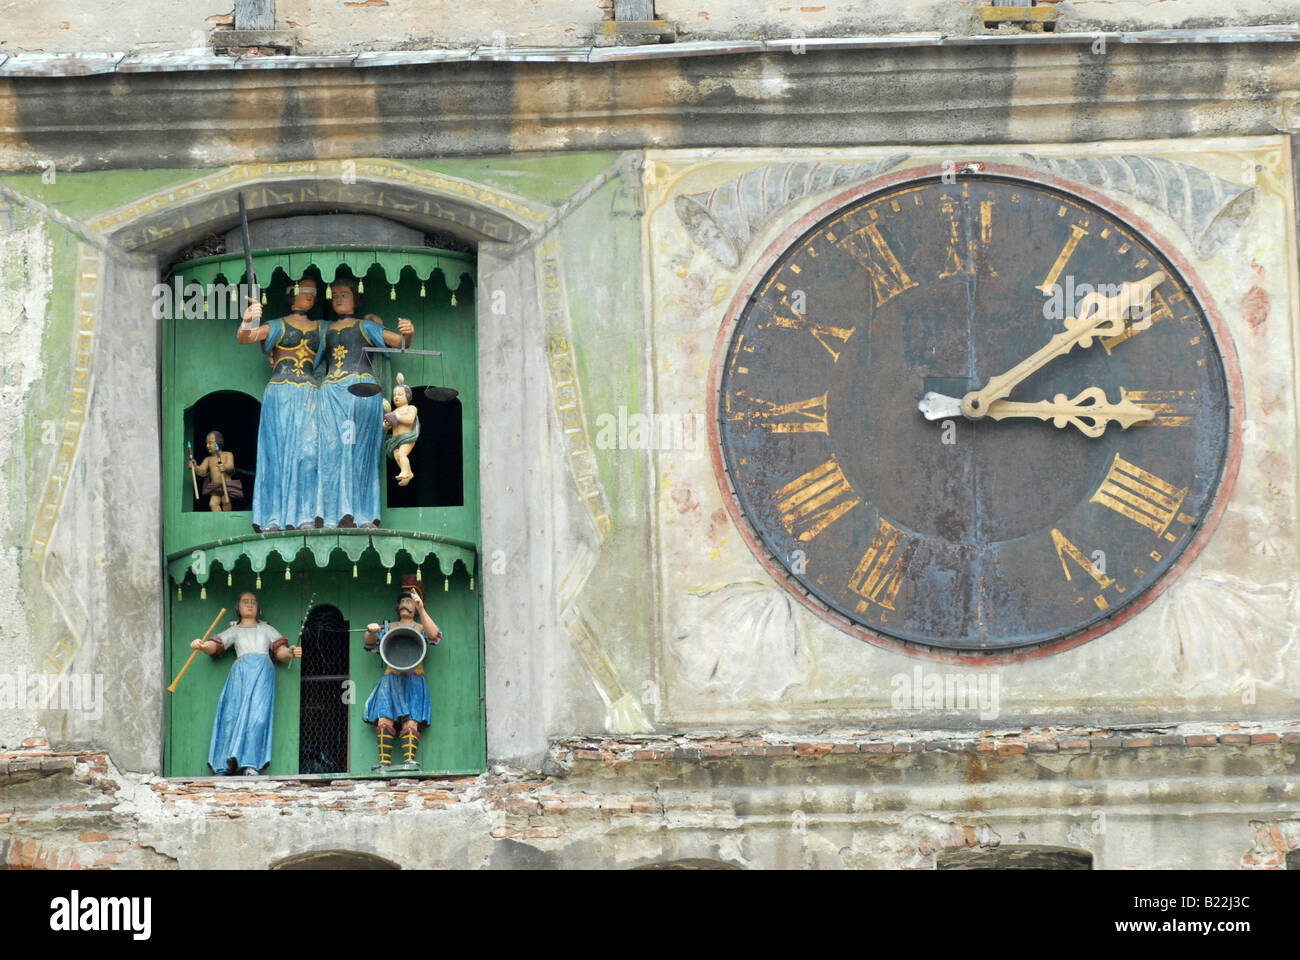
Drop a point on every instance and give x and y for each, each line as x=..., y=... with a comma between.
x=831, y=95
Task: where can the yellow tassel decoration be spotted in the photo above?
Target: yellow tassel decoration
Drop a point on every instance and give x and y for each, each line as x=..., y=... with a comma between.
x=259, y=581
x=361, y=286
x=286, y=573
x=392, y=293
x=329, y=293
x=178, y=593
x=471, y=583
x=453, y=298
x=296, y=290
x=203, y=593
x=263, y=298
x=422, y=288
x=390, y=577
x=418, y=575
x=446, y=584
x=228, y=580
x=354, y=571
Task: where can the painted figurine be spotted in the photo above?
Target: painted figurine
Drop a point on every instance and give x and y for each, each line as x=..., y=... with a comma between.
x=220, y=485
x=285, y=492
x=350, y=427
x=401, y=696
x=241, y=732
x=403, y=421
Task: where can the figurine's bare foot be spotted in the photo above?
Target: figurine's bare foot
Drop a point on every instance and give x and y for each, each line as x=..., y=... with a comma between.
x=271, y=528
x=348, y=523
x=248, y=772
x=368, y=526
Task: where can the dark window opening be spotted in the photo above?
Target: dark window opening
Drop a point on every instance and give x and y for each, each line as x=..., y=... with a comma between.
x=1013, y=857
x=334, y=860
x=323, y=722
x=235, y=416
x=436, y=461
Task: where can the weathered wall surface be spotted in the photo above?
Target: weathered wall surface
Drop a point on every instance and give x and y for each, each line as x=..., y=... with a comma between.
x=339, y=26
x=1221, y=641
x=1182, y=800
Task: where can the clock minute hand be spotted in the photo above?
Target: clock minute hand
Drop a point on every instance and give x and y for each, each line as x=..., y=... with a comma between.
x=1089, y=405
x=1099, y=317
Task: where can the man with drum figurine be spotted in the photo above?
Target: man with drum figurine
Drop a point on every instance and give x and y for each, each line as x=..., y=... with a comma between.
x=402, y=695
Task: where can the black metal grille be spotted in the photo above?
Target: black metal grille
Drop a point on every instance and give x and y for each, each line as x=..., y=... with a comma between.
x=323, y=717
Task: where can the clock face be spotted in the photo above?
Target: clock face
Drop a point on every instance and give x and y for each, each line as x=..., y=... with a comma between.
x=959, y=535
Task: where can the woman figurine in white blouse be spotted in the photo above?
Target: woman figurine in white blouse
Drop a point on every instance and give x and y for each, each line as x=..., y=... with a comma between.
x=241, y=732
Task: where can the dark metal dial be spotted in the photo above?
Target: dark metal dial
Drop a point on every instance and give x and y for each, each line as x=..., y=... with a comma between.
x=968, y=536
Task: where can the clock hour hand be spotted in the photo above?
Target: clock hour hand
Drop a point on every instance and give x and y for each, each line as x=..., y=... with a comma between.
x=1089, y=410
x=1089, y=405
x=1098, y=317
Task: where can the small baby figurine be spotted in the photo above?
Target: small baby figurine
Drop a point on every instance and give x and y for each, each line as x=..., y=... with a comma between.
x=218, y=468
x=400, y=418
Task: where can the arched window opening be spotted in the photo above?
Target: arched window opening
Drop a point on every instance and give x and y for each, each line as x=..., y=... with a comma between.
x=1014, y=857
x=323, y=721
x=334, y=860
x=437, y=459
x=233, y=415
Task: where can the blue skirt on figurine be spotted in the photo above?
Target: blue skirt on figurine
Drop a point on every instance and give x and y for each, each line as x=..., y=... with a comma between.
x=285, y=491
x=400, y=696
x=351, y=431
x=242, y=730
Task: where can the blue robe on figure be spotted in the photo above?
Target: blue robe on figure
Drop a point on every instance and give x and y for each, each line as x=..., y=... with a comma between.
x=350, y=428
x=286, y=489
x=243, y=726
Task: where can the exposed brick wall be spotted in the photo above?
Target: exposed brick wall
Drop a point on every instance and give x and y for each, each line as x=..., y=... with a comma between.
x=632, y=801
x=1273, y=841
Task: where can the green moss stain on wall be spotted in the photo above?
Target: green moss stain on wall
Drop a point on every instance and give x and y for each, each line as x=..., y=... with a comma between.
x=83, y=195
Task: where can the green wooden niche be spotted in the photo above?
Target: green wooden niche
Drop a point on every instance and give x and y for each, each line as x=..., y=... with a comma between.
x=210, y=381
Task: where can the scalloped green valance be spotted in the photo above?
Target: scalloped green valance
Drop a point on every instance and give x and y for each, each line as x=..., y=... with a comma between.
x=397, y=263
x=311, y=546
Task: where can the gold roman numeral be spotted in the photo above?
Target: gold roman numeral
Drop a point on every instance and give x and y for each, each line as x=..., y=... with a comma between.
x=1160, y=310
x=879, y=573
x=811, y=503
x=888, y=277
x=800, y=416
x=1141, y=496
x=966, y=255
x=1077, y=233
x=820, y=331
x=1065, y=550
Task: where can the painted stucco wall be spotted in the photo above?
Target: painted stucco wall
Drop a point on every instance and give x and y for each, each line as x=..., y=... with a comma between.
x=618, y=597
x=1220, y=642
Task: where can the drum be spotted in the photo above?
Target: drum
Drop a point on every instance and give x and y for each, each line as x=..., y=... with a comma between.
x=403, y=648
